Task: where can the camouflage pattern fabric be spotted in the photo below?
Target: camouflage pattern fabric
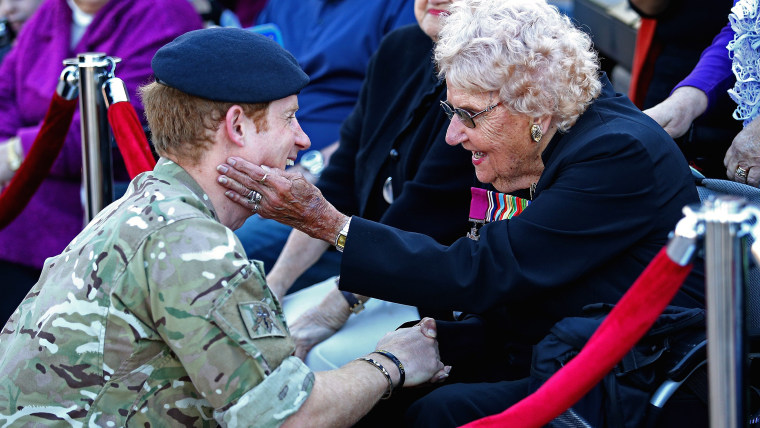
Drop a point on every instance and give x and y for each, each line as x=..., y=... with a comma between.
x=152, y=316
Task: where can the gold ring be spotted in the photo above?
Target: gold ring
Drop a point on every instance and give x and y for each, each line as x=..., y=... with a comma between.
x=264, y=178
x=741, y=173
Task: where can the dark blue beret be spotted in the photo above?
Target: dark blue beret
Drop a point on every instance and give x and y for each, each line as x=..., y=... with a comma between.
x=228, y=64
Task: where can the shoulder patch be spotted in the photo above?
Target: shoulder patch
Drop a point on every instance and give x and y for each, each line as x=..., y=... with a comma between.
x=259, y=320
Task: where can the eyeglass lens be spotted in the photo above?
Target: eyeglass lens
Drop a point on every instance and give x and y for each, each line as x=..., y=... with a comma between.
x=464, y=115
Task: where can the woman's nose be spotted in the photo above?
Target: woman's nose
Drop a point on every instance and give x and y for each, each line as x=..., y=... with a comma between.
x=455, y=132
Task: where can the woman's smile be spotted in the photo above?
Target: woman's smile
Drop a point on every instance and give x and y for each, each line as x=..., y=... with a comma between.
x=477, y=158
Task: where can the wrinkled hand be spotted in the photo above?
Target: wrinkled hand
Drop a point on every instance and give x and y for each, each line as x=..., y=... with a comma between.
x=286, y=198
x=745, y=153
x=298, y=169
x=319, y=323
x=417, y=349
x=679, y=110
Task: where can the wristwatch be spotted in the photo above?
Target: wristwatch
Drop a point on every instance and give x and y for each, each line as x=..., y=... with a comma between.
x=313, y=161
x=354, y=304
x=340, y=241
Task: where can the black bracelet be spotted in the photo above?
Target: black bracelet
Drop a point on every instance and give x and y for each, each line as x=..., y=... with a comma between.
x=399, y=365
x=389, y=390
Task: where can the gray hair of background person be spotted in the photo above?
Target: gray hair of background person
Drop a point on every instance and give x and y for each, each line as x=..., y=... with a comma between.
x=526, y=50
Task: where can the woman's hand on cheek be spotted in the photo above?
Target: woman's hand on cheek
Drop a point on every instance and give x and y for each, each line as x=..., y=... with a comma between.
x=285, y=197
x=239, y=181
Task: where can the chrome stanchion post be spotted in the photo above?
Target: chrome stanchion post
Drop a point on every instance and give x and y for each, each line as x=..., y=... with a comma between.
x=114, y=91
x=682, y=245
x=724, y=217
x=68, y=83
x=97, y=170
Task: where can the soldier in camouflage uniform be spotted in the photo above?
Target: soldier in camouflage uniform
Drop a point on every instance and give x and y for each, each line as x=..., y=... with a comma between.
x=153, y=316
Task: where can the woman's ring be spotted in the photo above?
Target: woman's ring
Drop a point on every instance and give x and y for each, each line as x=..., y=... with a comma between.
x=741, y=173
x=264, y=178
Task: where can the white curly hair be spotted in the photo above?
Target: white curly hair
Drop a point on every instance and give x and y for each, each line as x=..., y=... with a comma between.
x=526, y=50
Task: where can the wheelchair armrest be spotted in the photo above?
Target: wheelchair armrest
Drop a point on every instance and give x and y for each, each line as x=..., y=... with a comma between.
x=691, y=360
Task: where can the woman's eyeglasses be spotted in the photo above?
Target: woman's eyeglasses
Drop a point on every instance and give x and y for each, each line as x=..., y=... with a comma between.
x=467, y=118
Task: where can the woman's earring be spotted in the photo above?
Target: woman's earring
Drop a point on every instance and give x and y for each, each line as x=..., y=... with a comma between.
x=536, y=133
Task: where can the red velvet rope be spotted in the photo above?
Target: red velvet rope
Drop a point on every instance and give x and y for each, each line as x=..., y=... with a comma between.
x=631, y=318
x=130, y=138
x=37, y=163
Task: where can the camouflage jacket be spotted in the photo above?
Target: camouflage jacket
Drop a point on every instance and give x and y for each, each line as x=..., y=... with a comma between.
x=152, y=316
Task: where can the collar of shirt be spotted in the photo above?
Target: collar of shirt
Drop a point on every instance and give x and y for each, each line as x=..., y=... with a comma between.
x=79, y=22
x=174, y=173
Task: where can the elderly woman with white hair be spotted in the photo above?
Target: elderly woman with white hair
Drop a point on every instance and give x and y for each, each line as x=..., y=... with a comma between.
x=605, y=186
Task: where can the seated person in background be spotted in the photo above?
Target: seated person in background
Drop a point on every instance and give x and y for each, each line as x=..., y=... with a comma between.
x=132, y=30
x=333, y=41
x=13, y=14
x=153, y=315
x=718, y=69
x=673, y=53
x=393, y=166
x=17, y=12
x=606, y=185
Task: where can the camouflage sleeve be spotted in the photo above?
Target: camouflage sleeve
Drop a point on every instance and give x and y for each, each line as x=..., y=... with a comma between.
x=291, y=382
x=212, y=307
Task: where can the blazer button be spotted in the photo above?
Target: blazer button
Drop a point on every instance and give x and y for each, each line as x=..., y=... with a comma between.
x=393, y=154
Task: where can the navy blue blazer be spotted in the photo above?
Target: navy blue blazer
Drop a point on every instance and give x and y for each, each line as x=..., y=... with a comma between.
x=612, y=189
x=397, y=129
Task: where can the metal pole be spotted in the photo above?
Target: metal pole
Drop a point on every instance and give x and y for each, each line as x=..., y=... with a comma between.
x=97, y=170
x=725, y=314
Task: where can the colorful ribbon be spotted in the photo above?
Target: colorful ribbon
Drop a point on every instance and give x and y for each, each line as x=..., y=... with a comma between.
x=487, y=206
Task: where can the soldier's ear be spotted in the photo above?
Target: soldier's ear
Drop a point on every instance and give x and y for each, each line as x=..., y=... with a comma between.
x=235, y=126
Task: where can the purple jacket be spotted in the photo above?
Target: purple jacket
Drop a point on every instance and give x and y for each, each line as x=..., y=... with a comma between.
x=130, y=29
x=713, y=74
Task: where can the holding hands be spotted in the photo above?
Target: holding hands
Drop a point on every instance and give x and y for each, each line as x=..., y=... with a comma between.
x=290, y=199
x=417, y=349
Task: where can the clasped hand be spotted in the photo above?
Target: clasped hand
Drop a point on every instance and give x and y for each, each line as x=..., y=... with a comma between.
x=417, y=348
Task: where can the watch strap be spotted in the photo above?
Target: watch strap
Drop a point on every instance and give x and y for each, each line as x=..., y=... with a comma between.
x=354, y=304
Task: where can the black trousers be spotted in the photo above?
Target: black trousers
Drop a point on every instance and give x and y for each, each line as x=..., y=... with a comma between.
x=486, y=380
x=448, y=405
